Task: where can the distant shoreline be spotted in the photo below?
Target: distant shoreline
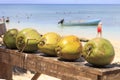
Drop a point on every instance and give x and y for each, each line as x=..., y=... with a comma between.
x=49, y=4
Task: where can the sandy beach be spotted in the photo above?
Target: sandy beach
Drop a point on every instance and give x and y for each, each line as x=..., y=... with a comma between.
x=28, y=75
x=116, y=45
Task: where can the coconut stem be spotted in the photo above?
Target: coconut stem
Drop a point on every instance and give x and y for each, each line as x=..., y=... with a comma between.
x=42, y=43
x=89, y=50
x=20, y=43
x=58, y=49
x=26, y=44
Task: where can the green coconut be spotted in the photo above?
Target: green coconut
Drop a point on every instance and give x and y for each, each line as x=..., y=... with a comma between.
x=48, y=43
x=98, y=52
x=27, y=40
x=9, y=38
x=69, y=48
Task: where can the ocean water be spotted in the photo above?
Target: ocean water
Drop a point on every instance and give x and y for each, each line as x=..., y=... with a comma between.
x=44, y=18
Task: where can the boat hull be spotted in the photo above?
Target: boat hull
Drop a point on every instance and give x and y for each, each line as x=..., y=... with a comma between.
x=82, y=23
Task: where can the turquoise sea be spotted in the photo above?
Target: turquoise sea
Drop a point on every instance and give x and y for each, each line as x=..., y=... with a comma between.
x=44, y=18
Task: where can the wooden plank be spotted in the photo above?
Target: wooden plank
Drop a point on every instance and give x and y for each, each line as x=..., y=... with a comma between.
x=5, y=71
x=60, y=69
x=54, y=67
x=112, y=76
x=36, y=76
x=42, y=64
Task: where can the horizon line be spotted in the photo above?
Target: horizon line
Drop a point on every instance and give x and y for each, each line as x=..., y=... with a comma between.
x=65, y=3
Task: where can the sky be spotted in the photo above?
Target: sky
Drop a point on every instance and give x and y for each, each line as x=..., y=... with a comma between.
x=61, y=1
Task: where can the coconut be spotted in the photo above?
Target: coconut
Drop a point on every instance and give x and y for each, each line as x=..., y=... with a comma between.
x=27, y=40
x=69, y=48
x=9, y=38
x=99, y=52
x=48, y=43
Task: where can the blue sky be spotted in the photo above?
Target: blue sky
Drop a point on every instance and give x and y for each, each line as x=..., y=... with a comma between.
x=63, y=1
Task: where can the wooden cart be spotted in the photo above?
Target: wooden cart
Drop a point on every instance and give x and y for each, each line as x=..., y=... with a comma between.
x=39, y=63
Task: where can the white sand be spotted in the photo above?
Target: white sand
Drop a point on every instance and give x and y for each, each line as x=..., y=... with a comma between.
x=28, y=76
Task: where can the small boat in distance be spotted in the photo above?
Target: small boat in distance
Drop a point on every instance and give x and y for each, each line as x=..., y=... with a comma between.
x=79, y=23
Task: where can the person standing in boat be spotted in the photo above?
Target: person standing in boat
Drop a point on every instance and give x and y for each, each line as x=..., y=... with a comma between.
x=61, y=21
x=7, y=20
x=99, y=29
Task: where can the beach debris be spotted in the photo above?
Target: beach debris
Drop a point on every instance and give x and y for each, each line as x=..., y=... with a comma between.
x=9, y=38
x=98, y=51
x=69, y=48
x=84, y=40
x=48, y=43
x=27, y=40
